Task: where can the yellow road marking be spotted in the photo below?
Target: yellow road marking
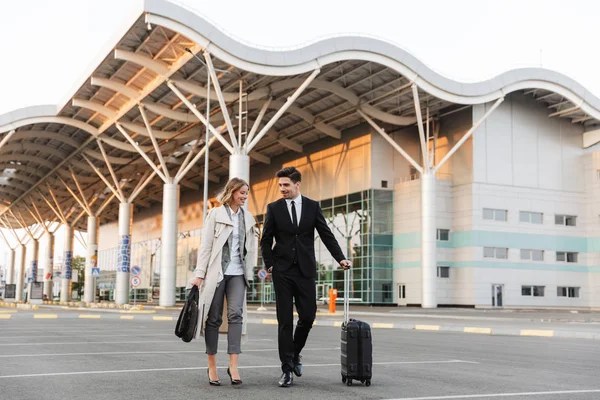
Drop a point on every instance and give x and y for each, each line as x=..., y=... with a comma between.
x=533, y=332
x=486, y=331
x=427, y=327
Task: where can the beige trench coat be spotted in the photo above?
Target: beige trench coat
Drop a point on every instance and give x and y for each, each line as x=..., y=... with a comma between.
x=215, y=233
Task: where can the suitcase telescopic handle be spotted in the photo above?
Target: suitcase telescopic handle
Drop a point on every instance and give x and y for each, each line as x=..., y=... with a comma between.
x=346, y=294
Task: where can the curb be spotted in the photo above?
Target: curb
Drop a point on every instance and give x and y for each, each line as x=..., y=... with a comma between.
x=473, y=330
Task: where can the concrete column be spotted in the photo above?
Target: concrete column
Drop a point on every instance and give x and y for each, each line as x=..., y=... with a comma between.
x=239, y=167
x=91, y=260
x=67, y=274
x=33, y=260
x=33, y=265
x=124, y=256
x=47, y=264
x=428, y=240
x=20, y=271
x=10, y=267
x=168, y=251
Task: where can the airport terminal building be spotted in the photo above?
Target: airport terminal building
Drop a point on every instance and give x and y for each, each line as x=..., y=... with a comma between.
x=442, y=193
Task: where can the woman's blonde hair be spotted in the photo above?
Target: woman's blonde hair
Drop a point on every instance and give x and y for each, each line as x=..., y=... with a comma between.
x=232, y=186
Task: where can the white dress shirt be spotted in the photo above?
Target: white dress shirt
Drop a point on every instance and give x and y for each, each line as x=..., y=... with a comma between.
x=298, y=203
x=235, y=266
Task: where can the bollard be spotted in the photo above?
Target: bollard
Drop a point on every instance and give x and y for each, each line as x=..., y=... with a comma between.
x=332, y=298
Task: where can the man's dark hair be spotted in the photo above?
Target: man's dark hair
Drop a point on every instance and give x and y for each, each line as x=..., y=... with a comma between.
x=290, y=172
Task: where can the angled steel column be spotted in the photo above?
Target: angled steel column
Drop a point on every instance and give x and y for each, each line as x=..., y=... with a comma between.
x=65, y=288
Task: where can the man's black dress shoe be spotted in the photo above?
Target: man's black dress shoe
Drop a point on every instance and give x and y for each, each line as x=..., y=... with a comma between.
x=298, y=366
x=286, y=380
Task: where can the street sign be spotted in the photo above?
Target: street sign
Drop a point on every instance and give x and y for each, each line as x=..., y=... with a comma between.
x=95, y=272
x=262, y=274
x=136, y=271
x=135, y=281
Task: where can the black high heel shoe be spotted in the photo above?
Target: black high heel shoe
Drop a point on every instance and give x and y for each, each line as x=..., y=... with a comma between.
x=233, y=381
x=210, y=381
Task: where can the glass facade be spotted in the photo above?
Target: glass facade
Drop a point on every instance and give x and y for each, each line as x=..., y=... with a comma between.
x=362, y=222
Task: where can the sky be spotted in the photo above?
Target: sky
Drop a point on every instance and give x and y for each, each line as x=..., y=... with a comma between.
x=48, y=45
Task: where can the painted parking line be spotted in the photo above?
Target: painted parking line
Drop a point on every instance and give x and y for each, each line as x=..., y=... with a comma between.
x=278, y=366
x=269, y=322
x=5, y=316
x=382, y=326
x=492, y=395
x=89, y=316
x=533, y=332
x=427, y=327
x=110, y=353
x=161, y=318
x=127, y=317
x=45, y=316
x=483, y=331
x=82, y=343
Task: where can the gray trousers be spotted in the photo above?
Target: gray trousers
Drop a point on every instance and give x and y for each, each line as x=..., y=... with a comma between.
x=232, y=287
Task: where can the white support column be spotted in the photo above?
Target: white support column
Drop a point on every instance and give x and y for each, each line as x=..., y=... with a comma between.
x=91, y=260
x=10, y=267
x=168, y=260
x=124, y=254
x=33, y=265
x=428, y=240
x=47, y=263
x=67, y=272
x=239, y=166
x=20, y=271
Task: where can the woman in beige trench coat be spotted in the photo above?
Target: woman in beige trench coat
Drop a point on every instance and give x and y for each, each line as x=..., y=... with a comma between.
x=224, y=270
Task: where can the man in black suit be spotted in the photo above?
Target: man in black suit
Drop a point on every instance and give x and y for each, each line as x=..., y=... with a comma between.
x=292, y=221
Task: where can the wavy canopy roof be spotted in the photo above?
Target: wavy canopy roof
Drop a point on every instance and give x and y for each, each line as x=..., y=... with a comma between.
x=51, y=145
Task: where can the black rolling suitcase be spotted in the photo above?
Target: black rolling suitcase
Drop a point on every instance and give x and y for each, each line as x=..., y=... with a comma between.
x=357, y=345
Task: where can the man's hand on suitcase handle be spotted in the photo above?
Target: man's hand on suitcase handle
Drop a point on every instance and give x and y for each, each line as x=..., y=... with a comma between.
x=346, y=264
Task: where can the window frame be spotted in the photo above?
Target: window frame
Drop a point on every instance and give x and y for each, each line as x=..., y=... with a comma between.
x=439, y=236
x=565, y=219
x=529, y=218
x=495, y=212
x=439, y=271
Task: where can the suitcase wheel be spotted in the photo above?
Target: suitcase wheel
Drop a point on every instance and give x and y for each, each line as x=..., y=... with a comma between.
x=368, y=383
x=343, y=379
x=349, y=383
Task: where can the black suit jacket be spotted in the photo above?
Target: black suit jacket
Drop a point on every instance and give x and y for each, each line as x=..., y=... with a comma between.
x=291, y=240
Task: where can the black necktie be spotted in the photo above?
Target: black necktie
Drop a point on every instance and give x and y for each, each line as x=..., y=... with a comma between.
x=294, y=216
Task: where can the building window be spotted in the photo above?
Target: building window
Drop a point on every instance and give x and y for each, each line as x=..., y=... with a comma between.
x=564, y=291
x=443, y=272
x=495, y=252
x=567, y=220
x=495, y=215
x=531, y=217
x=568, y=256
x=535, y=291
x=533, y=255
x=443, y=235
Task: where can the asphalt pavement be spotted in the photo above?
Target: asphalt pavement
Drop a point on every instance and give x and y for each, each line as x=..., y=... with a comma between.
x=100, y=358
